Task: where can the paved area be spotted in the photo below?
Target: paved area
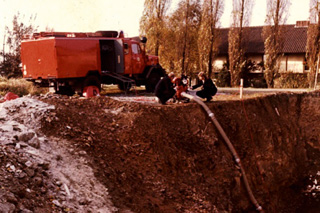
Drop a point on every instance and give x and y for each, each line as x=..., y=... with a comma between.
x=260, y=90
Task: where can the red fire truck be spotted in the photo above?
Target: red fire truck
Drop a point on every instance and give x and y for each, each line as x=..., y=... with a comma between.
x=71, y=61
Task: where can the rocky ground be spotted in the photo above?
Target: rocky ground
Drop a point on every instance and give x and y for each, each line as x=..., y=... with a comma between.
x=40, y=173
x=62, y=154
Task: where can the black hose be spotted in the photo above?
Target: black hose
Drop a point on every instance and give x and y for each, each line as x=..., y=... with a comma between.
x=230, y=146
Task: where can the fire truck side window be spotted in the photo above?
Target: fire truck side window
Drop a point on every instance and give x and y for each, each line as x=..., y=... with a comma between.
x=126, y=48
x=136, y=49
x=139, y=50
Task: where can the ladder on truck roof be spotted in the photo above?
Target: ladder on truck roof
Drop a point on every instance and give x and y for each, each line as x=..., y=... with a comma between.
x=125, y=81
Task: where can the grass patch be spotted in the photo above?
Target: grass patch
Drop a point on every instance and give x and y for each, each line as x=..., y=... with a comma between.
x=19, y=86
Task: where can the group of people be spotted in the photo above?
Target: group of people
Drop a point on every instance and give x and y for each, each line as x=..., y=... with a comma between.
x=172, y=87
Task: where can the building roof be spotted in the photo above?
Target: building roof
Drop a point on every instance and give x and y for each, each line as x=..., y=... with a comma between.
x=295, y=40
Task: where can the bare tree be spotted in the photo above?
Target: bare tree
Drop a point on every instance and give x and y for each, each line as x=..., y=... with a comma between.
x=184, y=48
x=179, y=52
x=212, y=11
x=152, y=22
x=241, y=15
x=313, y=42
x=273, y=34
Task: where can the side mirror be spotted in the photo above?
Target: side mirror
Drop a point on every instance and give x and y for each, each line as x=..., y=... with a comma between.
x=143, y=40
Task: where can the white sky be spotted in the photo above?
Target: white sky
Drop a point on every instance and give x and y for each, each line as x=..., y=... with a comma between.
x=94, y=15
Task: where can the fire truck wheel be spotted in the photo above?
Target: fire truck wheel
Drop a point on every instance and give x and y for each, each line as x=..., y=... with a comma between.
x=92, y=80
x=152, y=81
x=64, y=90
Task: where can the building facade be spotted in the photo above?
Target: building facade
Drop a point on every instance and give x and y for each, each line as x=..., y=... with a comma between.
x=294, y=50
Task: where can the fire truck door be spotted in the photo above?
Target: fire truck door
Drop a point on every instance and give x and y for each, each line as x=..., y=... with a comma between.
x=119, y=56
x=111, y=56
x=137, y=59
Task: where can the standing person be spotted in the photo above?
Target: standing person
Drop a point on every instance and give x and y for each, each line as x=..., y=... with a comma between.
x=164, y=89
x=208, y=88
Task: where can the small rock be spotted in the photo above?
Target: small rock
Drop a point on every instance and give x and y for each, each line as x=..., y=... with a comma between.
x=8, y=143
x=38, y=181
x=23, y=144
x=43, y=190
x=25, y=211
x=59, y=157
x=30, y=172
x=7, y=207
x=16, y=128
x=84, y=201
x=12, y=168
x=22, y=159
x=26, y=136
x=58, y=183
x=57, y=203
x=82, y=152
x=22, y=175
x=44, y=165
x=28, y=163
x=34, y=142
x=29, y=194
x=11, y=198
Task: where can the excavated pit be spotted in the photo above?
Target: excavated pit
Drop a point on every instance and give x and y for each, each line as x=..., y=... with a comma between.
x=172, y=159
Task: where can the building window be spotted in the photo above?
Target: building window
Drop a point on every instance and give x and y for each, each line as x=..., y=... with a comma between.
x=306, y=65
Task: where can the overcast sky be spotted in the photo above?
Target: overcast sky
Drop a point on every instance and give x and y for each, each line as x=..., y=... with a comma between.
x=94, y=15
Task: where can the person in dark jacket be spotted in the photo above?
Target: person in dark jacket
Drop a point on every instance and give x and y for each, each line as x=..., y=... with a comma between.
x=208, y=88
x=165, y=89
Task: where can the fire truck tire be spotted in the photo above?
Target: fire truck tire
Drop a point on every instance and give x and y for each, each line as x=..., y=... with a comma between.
x=64, y=90
x=92, y=80
x=152, y=81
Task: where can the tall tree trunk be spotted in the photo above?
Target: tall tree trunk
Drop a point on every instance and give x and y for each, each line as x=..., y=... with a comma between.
x=185, y=40
x=212, y=26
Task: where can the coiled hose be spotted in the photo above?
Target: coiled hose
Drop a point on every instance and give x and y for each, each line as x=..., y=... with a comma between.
x=230, y=146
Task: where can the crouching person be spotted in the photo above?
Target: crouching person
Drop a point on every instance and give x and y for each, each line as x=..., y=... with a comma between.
x=165, y=89
x=181, y=85
x=208, y=88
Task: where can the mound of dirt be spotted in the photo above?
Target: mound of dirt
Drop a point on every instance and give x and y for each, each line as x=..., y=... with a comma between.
x=171, y=158
x=152, y=158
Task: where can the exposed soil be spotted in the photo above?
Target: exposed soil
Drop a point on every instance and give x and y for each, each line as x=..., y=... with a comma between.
x=152, y=158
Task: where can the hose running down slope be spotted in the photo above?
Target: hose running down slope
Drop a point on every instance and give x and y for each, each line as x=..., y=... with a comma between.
x=230, y=146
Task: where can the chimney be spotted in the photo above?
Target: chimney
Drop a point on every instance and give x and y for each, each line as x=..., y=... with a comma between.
x=302, y=23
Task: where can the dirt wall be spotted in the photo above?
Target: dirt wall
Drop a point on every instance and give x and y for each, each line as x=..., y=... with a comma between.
x=172, y=159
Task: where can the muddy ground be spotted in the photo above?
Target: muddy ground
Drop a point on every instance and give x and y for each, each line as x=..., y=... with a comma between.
x=153, y=158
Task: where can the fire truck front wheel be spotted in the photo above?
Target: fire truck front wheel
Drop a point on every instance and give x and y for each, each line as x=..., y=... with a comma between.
x=92, y=80
x=152, y=81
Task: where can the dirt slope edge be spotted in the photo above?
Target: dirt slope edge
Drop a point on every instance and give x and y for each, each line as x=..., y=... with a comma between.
x=170, y=158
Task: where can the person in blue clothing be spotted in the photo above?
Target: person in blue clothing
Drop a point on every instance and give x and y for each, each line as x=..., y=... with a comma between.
x=165, y=89
x=208, y=89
